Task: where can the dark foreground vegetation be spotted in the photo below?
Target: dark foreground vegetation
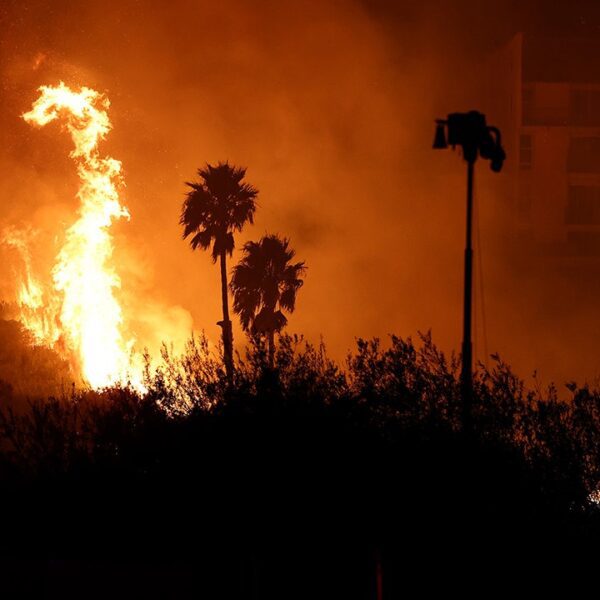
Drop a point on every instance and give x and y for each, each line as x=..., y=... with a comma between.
x=301, y=481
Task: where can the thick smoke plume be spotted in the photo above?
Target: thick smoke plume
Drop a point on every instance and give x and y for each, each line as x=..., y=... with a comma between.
x=330, y=105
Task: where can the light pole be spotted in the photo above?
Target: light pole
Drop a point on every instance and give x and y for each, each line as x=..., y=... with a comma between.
x=471, y=132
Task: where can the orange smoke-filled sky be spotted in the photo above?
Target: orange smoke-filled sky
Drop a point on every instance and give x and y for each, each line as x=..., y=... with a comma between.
x=330, y=106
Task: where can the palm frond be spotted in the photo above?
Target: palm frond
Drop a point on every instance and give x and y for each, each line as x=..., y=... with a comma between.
x=224, y=242
x=201, y=240
x=264, y=280
x=216, y=206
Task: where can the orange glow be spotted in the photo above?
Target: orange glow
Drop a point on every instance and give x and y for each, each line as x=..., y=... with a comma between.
x=35, y=313
x=88, y=316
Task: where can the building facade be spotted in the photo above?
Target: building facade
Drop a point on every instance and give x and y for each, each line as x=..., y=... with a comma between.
x=545, y=97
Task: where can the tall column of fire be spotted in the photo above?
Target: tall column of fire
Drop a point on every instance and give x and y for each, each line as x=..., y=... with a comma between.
x=90, y=316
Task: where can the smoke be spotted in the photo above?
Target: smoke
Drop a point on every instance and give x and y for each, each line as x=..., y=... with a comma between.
x=330, y=105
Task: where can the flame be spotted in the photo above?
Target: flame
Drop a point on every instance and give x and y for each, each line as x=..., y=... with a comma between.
x=89, y=316
x=37, y=312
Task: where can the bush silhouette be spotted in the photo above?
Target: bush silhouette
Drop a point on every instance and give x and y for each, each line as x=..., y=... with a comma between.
x=288, y=482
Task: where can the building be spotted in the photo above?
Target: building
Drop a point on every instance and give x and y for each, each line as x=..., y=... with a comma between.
x=545, y=97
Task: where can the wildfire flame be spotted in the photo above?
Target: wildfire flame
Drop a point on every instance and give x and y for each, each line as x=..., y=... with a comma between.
x=89, y=317
x=37, y=311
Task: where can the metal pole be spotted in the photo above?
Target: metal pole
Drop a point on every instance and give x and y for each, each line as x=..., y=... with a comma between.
x=467, y=345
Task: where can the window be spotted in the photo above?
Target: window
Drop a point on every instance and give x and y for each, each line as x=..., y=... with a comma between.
x=583, y=206
x=525, y=151
x=585, y=107
x=586, y=243
x=545, y=104
x=584, y=155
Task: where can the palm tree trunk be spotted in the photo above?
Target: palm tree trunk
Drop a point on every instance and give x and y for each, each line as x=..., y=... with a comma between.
x=226, y=323
x=271, y=349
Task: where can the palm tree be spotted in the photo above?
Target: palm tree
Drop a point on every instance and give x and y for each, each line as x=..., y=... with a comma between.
x=265, y=283
x=220, y=204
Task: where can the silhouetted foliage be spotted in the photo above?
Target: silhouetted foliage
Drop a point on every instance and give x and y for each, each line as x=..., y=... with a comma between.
x=265, y=283
x=288, y=483
x=27, y=369
x=215, y=208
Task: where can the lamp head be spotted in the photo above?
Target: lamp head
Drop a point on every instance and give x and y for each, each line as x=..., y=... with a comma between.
x=470, y=131
x=439, y=141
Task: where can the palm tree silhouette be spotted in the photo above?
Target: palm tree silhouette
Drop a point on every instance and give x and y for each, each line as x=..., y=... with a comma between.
x=264, y=283
x=220, y=204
